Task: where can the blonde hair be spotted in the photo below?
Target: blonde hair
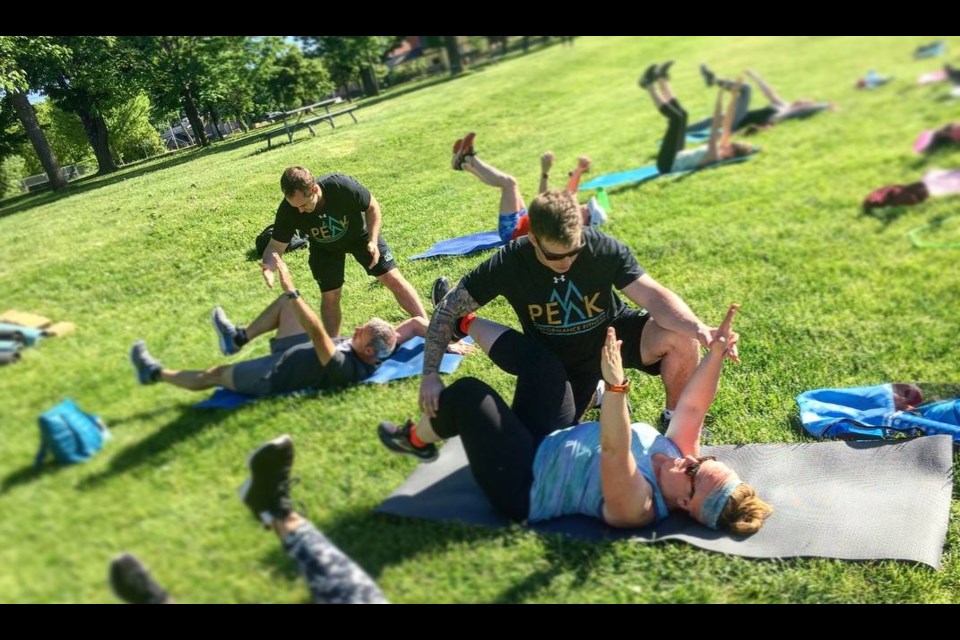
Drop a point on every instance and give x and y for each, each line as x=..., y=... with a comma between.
x=744, y=512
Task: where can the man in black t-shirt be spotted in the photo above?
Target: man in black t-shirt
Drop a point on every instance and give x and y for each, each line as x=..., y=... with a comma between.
x=337, y=215
x=303, y=355
x=560, y=281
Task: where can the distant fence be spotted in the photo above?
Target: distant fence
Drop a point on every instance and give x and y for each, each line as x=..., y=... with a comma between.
x=33, y=183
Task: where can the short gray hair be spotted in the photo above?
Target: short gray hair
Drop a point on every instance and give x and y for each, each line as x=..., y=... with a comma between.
x=384, y=338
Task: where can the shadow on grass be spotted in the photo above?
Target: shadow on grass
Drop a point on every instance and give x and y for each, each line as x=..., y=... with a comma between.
x=148, y=450
x=27, y=474
x=887, y=216
x=376, y=542
x=565, y=557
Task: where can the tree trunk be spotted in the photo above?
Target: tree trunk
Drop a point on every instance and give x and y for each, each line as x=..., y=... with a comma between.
x=215, y=121
x=239, y=118
x=369, y=81
x=453, y=54
x=193, y=115
x=28, y=118
x=98, y=137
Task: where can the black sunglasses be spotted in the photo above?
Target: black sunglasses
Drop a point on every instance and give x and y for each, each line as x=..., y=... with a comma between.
x=553, y=257
x=692, y=471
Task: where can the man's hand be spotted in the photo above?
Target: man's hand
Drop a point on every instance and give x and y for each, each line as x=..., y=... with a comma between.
x=267, y=272
x=374, y=251
x=462, y=348
x=286, y=280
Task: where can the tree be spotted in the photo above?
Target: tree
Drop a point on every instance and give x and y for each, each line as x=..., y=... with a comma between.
x=349, y=57
x=297, y=80
x=18, y=54
x=171, y=71
x=93, y=78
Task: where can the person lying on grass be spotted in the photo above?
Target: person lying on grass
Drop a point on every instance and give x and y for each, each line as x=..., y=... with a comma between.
x=513, y=221
x=627, y=475
x=672, y=157
x=302, y=354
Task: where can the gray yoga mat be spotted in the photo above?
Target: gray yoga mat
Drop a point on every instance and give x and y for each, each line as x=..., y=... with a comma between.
x=847, y=500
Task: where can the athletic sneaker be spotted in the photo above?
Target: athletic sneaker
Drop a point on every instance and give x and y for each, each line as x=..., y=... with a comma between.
x=649, y=77
x=441, y=286
x=462, y=149
x=132, y=582
x=146, y=366
x=267, y=491
x=226, y=332
x=397, y=439
x=598, y=215
x=663, y=71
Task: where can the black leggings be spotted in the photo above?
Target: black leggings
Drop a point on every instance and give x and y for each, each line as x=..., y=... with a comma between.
x=676, y=137
x=501, y=441
x=742, y=116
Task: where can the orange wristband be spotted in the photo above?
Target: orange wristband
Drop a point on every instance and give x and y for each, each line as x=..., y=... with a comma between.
x=623, y=387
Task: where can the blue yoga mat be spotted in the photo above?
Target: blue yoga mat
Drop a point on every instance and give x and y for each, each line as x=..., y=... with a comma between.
x=645, y=174
x=463, y=245
x=406, y=362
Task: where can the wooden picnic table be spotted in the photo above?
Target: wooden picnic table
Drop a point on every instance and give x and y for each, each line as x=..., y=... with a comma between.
x=294, y=118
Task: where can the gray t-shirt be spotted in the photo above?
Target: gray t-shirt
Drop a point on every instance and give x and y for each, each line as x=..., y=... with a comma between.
x=299, y=368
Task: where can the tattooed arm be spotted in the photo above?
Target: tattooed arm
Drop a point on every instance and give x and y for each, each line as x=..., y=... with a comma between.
x=454, y=306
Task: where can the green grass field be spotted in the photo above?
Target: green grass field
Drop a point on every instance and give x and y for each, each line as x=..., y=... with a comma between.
x=829, y=298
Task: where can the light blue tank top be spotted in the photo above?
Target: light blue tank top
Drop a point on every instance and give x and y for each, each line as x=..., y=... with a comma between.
x=689, y=160
x=566, y=470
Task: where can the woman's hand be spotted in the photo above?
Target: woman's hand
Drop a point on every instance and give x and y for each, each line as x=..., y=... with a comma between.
x=611, y=365
x=725, y=338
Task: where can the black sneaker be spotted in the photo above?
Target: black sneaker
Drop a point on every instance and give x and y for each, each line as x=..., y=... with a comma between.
x=267, y=491
x=441, y=286
x=132, y=582
x=708, y=76
x=146, y=366
x=663, y=71
x=397, y=439
x=226, y=332
x=649, y=77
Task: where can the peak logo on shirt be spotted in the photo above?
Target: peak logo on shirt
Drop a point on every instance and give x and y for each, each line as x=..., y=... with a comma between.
x=567, y=311
x=330, y=230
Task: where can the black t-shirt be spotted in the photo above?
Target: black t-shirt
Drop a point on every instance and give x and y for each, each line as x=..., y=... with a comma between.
x=300, y=368
x=568, y=313
x=337, y=225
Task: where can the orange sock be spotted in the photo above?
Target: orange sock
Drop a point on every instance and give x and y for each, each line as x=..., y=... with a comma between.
x=414, y=440
x=466, y=321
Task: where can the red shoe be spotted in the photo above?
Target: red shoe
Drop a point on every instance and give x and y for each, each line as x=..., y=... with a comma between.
x=465, y=149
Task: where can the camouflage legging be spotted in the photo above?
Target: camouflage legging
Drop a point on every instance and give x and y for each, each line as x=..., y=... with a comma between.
x=331, y=576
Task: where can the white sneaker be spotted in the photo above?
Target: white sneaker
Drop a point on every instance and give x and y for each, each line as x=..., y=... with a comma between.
x=598, y=215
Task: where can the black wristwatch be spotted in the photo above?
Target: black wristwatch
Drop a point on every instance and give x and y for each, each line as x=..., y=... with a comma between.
x=292, y=295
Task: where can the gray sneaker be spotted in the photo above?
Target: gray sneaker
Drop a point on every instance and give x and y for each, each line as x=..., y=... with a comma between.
x=397, y=439
x=132, y=582
x=598, y=215
x=226, y=332
x=441, y=287
x=267, y=491
x=146, y=366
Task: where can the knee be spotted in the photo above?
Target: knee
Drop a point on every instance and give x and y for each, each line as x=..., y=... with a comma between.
x=508, y=182
x=393, y=280
x=465, y=392
x=331, y=297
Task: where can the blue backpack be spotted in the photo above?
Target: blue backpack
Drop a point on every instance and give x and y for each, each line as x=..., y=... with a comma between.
x=70, y=434
x=867, y=413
